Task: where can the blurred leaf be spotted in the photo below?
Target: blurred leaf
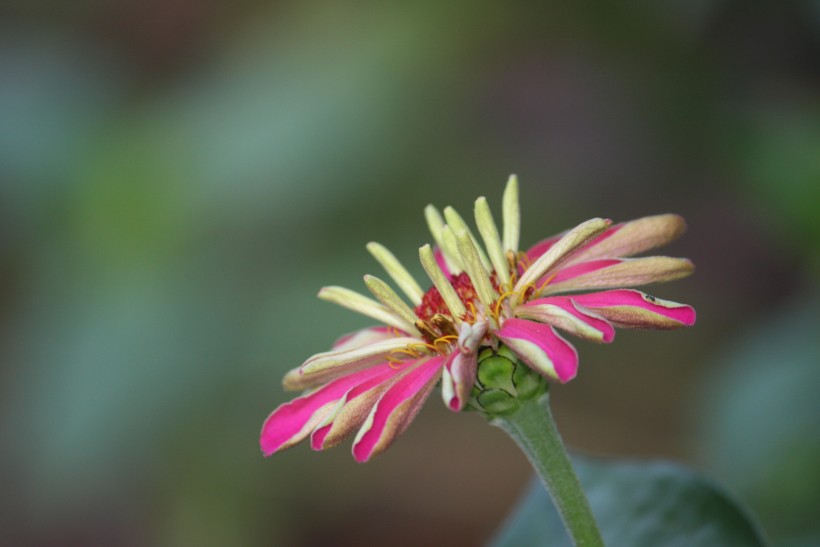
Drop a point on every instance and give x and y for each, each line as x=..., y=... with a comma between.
x=760, y=420
x=637, y=504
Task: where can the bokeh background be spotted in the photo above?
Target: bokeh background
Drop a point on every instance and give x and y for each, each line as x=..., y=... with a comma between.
x=178, y=178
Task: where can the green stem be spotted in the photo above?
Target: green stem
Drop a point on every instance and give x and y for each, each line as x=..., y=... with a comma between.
x=533, y=428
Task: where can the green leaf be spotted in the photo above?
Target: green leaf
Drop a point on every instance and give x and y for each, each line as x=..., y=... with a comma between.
x=758, y=420
x=637, y=504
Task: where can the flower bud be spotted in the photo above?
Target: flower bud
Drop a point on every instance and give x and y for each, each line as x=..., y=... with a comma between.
x=503, y=382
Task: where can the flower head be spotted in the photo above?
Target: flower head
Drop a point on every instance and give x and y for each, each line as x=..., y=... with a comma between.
x=483, y=297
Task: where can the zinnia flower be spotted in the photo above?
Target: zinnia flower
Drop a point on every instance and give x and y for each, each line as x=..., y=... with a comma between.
x=376, y=380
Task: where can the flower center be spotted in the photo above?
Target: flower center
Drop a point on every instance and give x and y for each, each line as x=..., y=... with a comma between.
x=433, y=304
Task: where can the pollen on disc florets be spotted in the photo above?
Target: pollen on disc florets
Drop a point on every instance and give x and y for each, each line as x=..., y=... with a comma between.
x=432, y=303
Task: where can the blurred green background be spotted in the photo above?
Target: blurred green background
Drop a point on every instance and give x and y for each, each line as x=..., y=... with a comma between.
x=179, y=178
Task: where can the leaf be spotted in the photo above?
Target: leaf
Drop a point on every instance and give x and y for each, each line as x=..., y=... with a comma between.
x=637, y=503
x=758, y=419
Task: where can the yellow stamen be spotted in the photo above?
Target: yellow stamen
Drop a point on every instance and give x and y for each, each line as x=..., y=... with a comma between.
x=471, y=315
x=545, y=283
x=444, y=340
x=497, y=307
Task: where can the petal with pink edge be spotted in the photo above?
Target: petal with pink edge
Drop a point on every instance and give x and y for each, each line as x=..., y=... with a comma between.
x=291, y=422
x=634, y=309
x=626, y=272
x=541, y=348
x=561, y=312
x=396, y=409
x=633, y=237
x=352, y=409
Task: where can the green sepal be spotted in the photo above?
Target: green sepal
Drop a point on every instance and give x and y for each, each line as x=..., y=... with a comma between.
x=503, y=382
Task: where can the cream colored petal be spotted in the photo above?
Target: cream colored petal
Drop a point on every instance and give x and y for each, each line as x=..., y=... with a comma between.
x=435, y=223
x=472, y=264
x=457, y=224
x=397, y=272
x=451, y=246
x=445, y=289
x=489, y=233
x=390, y=299
x=365, y=306
x=346, y=361
x=511, y=215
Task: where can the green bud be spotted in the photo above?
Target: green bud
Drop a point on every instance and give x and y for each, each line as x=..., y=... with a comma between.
x=503, y=382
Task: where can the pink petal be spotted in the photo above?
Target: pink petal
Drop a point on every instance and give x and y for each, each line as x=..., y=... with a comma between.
x=626, y=272
x=439, y=256
x=293, y=421
x=633, y=237
x=396, y=409
x=571, y=272
x=457, y=384
x=542, y=246
x=353, y=408
x=631, y=308
x=540, y=347
x=561, y=312
x=630, y=238
x=462, y=368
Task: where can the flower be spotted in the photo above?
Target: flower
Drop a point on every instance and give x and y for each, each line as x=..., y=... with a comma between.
x=376, y=380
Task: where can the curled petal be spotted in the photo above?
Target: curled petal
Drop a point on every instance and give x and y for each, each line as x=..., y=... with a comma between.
x=396, y=409
x=291, y=422
x=626, y=272
x=634, y=309
x=448, y=389
x=541, y=348
x=470, y=336
x=461, y=369
x=562, y=312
